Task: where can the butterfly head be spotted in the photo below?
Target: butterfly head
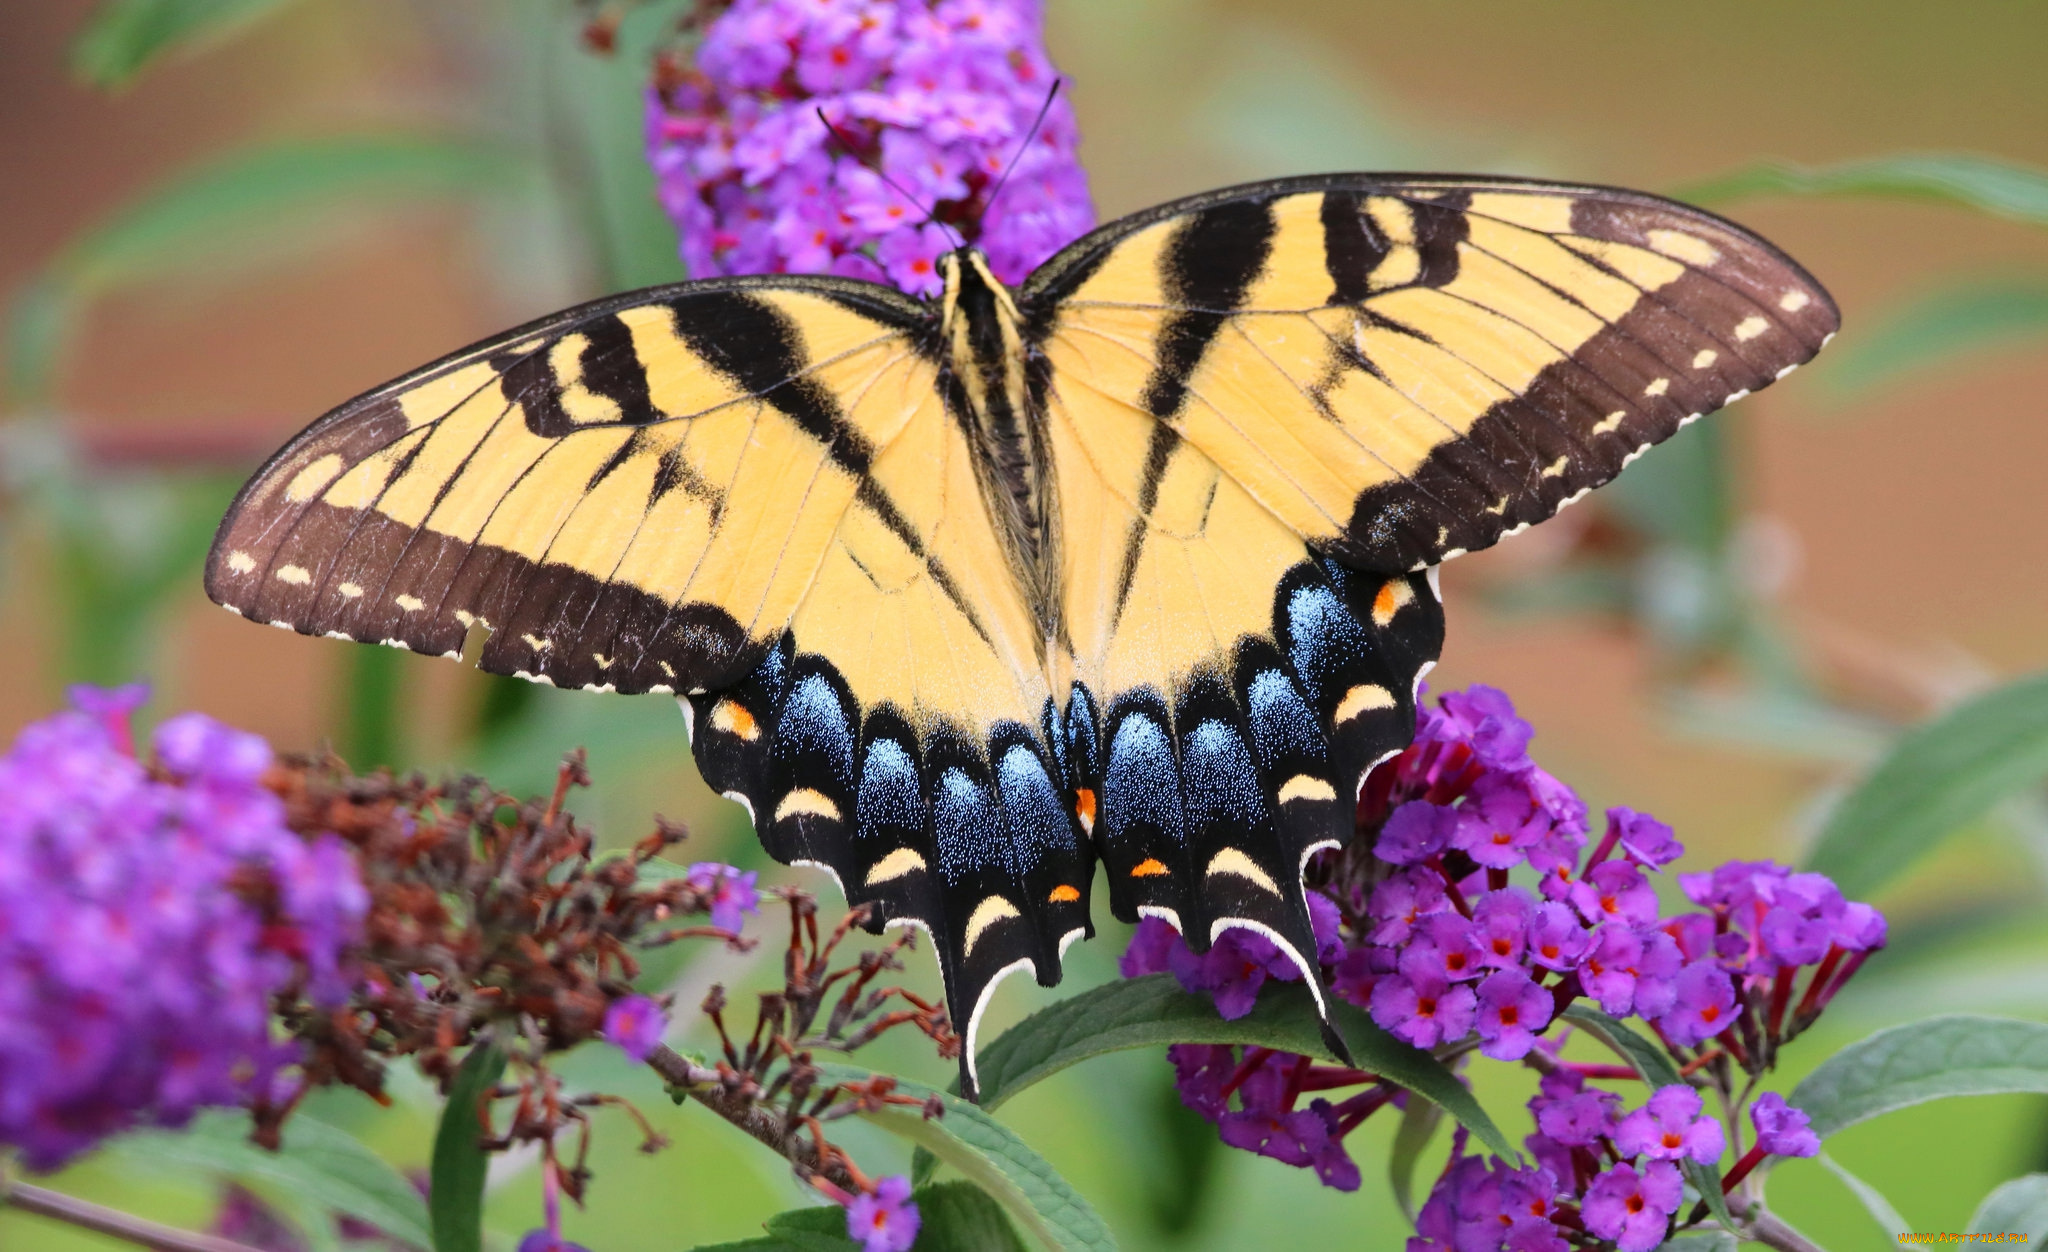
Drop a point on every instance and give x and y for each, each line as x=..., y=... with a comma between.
x=971, y=294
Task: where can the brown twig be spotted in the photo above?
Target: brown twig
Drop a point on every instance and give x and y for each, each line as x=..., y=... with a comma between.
x=764, y=1124
x=87, y=1215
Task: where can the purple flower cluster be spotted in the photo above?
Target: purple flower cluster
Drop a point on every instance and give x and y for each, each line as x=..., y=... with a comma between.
x=932, y=98
x=149, y=913
x=1470, y=915
x=1595, y=1171
x=1270, y=1118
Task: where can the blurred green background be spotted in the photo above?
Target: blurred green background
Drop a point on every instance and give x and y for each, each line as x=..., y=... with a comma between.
x=204, y=256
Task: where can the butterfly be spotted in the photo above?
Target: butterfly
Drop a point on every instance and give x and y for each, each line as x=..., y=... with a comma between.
x=1133, y=564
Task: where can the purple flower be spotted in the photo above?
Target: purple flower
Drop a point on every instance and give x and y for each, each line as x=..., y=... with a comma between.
x=937, y=97
x=541, y=1239
x=1703, y=1005
x=1512, y=1008
x=147, y=922
x=1556, y=939
x=1398, y=902
x=1302, y=1137
x=1577, y=1120
x=1615, y=891
x=1233, y=969
x=1499, y=822
x=732, y=893
x=1151, y=948
x=1415, y=832
x=1632, y=1208
x=1642, y=838
x=1485, y=718
x=1500, y=926
x=1445, y=948
x=1423, y=1009
x=1782, y=1130
x=886, y=1221
x=1670, y=1128
x=1327, y=923
x=1200, y=1073
x=636, y=1024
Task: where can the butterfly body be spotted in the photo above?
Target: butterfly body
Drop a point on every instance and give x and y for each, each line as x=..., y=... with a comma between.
x=1133, y=564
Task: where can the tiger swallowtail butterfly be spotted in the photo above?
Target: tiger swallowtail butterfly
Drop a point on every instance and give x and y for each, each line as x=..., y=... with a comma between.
x=1135, y=563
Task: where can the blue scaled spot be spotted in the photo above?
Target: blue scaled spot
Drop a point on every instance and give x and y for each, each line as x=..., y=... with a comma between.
x=1282, y=725
x=813, y=721
x=888, y=791
x=772, y=673
x=1217, y=775
x=1141, y=787
x=1031, y=806
x=965, y=828
x=1321, y=636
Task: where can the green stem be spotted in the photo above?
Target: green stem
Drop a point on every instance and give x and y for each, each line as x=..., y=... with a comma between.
x=369, y=736
x=89, y=1216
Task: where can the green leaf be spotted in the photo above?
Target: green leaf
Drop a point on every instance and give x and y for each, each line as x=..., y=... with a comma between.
x=1153, y=1010
x=2019, y=1207
x=818, y=1228
x=1939, y=325
x=1418, y=1126
x=1874, y=1203
x=225, y=211
x=961, y=1217
x=1962, y=179
x=456, y=1198
x=1178, y=1155
x=991, y=1156
x=1939, y=776
x=1700, y=1241
x=125, y=36
x=317, y=1174
x=1922, y=1061
x=601, y=107
x=1657, y=1071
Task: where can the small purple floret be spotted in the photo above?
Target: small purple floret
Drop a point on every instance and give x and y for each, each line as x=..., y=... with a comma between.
x=1670, y=1128
x=636, y=1024
x=733, y=897
x=886, y=1221
x=1782, y=1130
x=1633, y=1208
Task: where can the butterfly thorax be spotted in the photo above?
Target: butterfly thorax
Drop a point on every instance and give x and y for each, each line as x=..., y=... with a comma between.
x=986, y=363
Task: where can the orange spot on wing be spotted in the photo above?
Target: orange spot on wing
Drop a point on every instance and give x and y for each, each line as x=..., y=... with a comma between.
x=1389, y=601
x=1150, y=867
x=1084, y=807
x=1063, y=894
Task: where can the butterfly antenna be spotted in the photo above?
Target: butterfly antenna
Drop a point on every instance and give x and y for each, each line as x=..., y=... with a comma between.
x=931, y=215
x=1018, y=155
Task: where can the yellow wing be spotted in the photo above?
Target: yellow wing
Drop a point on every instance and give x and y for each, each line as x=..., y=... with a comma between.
x=747, y=493
x=1401, y=369
x=1270, y=406
x=631, y=495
